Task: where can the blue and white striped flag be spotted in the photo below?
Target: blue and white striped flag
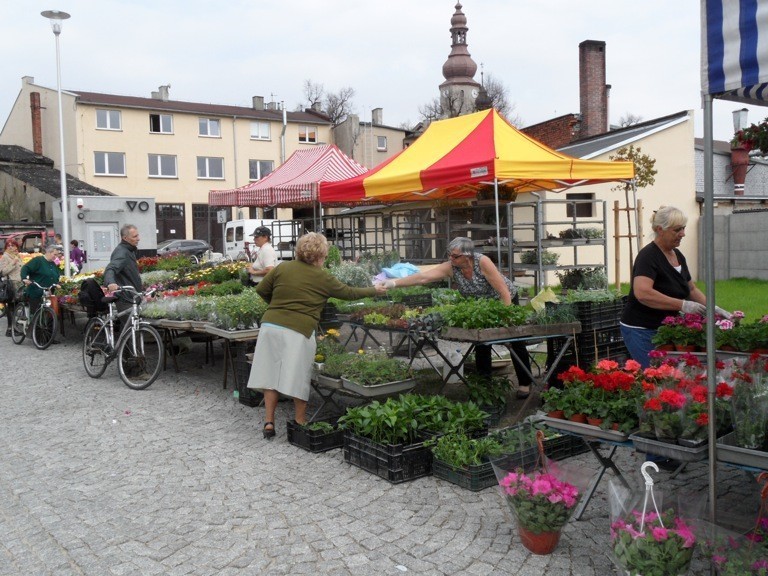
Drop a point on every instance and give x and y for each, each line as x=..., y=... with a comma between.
x=734, y=49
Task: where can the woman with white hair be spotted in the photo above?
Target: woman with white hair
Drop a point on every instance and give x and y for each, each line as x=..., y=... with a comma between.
x=661, y=285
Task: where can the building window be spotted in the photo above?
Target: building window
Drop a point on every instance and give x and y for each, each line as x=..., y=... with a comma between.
x=169, y=210
x=582, y=209
x=162, y=166
x=307, y=134
x=212, y=168
x=109, y=163
x=381, y=143
x=260, y=131
x=161, y=124
x=257, y=169
x=210, y=127
x=108, y=120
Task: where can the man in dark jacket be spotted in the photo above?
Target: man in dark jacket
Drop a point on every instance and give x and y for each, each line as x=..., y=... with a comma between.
x=123, y=270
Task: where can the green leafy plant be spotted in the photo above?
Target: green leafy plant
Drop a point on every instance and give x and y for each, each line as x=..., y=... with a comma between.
x=548, y=258
x=583, y=278
x=488, y=390
x=352, y=274
x=324, y=427
x=574, y=233
x=222, y=289
x=334, y=256
x=376, y=368
x=461, y=451
x=480, y=313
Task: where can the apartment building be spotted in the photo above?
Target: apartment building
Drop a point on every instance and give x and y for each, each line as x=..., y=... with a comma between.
x=173, y=151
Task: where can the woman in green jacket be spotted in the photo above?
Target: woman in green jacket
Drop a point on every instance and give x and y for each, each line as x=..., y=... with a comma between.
x=42, y=270
x=296, y=292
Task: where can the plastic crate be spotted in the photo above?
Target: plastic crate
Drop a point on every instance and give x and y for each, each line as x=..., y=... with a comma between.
x=395, y=464
x=314, y=440
x=242, y=370
x=596, y=315
x=589, y=347
x=564, y=446
x=494, y=414
x=474, y=478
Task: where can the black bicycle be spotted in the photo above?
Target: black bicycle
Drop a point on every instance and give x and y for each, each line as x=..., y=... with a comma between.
x=139, y=349
x=44, y=323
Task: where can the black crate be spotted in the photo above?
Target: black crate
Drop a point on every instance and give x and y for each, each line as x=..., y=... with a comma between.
x=242, y=370
x=589, y=347
x=314, y=440
x=597, y=315
x=495, y=414
x=394, y=464
x=564, y=446
x=474, y=478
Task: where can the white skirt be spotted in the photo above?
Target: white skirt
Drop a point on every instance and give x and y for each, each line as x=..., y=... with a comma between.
x=282, y=361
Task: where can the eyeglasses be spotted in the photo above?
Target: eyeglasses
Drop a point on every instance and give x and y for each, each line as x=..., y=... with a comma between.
x=455, y=256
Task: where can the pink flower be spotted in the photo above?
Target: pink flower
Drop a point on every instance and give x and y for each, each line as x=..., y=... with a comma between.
x=659, y=533
x=725, y=324
x=684, y=531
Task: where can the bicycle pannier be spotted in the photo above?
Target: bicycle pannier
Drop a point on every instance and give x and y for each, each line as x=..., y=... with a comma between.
x=91, y=297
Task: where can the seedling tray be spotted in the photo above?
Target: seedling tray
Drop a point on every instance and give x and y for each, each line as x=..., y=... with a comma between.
x=667, y=450
x=394, y=463
x=475, y=478
x=314, y=440
x=728, y=451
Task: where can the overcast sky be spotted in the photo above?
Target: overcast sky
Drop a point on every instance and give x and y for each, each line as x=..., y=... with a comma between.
x=391, y=52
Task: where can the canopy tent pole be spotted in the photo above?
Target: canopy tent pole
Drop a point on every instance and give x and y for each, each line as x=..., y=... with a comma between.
x=709, y=278
x=498, y=226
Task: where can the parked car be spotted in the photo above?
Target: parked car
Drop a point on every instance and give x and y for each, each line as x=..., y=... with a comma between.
x=28, y=240
x=188, y=247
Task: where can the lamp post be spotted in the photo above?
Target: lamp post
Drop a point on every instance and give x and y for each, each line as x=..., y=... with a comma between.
x=57, y=17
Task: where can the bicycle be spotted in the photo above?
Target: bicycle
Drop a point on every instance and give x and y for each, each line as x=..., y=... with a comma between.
x=139, y=349
x=44, y=322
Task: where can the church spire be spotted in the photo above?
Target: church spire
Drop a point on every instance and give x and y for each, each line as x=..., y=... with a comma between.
x=460, y=89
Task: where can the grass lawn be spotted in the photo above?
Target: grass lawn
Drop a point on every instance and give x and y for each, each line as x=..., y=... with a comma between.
x=745, y=294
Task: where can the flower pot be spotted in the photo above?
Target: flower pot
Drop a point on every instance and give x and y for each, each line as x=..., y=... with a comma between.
x=559, y=414
x=686, y=348
x=760, y=351
x=594, y=421
x=666, y=347
x=615, y=426
x=542, y=543
x=580, y=418
x=727, y=348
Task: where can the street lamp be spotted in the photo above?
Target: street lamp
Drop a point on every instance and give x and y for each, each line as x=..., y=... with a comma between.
x=57, y=17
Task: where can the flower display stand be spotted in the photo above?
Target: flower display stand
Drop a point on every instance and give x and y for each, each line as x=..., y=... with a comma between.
x=669, y=450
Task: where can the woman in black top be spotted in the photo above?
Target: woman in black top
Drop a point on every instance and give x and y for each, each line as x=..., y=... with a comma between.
x=661, y=285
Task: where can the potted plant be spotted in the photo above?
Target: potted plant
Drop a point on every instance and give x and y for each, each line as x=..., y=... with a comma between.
x=750, y=411
x=685, y=331
x=652, y=544
x=542, y=501
x=490, y=394
x=315, y=436
x=548, y=258
x=553, y=402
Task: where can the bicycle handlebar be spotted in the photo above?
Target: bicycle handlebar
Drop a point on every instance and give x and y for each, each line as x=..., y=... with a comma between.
x=43, y=288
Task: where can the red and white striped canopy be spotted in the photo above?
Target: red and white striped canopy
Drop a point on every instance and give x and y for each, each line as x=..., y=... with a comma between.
x=296, y=182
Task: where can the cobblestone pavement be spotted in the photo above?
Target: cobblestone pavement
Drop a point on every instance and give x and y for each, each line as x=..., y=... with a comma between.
x=98, y=479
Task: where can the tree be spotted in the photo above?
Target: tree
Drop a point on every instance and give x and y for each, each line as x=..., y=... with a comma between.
x=336, y=105
x=629, y=119
x=499, y=95
x=645, y=175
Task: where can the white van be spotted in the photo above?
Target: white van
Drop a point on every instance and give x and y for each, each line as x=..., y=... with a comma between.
x=238, y=239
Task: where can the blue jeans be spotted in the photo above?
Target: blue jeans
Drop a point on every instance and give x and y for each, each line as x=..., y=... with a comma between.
x=638, y=342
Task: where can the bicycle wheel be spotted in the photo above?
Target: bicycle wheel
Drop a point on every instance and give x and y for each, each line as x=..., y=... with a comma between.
x=139, y=356
x=45, y=326
x=96, y=349
x=19, y=324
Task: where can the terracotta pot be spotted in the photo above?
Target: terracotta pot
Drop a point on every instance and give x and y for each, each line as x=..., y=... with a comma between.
x=559, y=414
x=727, y=348
x=686, y=347
x=55, y=304
x=543, y=543
x=665, y=347
x=615, y=426
x=581, y=418
x=594, y=421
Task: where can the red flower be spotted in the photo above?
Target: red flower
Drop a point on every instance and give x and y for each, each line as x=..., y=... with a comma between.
x=724, y=390
x=672, y=398
x=699, y=393
x=702, y=419
x=652, y=405
x=574, y=373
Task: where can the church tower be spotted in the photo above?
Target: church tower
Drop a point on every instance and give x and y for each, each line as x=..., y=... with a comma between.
x=459, y=91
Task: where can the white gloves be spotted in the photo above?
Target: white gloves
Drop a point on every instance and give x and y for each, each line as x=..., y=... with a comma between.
x=724, y=313
x=389, y=284
x=691, y=307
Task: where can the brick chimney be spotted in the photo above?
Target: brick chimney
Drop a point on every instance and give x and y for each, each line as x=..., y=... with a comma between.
x=37, y=124
x=377, y=116
x=258, y=102
x=163, y=93
x=593, y=91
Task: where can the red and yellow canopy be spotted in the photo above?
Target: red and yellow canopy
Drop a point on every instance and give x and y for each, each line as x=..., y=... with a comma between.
x=456, y=157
